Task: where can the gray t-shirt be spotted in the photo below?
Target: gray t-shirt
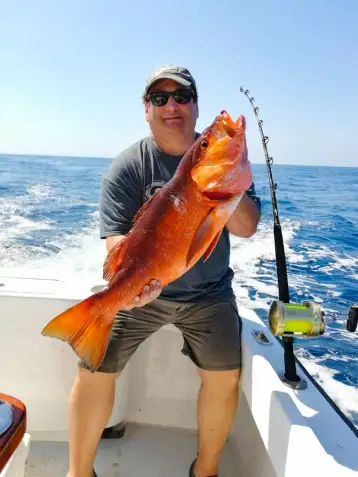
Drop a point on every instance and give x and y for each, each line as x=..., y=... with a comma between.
x=133, y=177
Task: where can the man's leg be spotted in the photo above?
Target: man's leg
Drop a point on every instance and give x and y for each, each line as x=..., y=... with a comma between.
x=92, y=394
x=212, y=339
x=217, y=404
x=90, y=406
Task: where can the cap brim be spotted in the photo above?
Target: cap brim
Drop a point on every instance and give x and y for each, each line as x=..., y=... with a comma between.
x=175, y=78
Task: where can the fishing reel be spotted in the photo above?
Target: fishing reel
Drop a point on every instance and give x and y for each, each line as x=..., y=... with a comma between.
x=289, y=320
x=302, y=321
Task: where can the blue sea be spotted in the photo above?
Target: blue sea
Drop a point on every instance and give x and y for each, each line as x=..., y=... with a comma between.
x=49, y=225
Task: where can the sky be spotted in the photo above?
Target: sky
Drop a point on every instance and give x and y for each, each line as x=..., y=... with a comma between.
x=72, y=73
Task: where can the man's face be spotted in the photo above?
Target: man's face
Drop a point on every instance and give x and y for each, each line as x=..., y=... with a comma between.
x=172, y=118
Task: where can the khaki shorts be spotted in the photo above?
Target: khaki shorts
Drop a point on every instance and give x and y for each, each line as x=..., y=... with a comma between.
x=211, y=333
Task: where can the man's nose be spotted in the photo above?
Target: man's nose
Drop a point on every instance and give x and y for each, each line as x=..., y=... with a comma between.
x=171, y=104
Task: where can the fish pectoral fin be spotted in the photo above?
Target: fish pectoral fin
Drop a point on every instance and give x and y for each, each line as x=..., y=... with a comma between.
x=208, y=234
x=212, y=246
x=114, y=260
x=205, y=239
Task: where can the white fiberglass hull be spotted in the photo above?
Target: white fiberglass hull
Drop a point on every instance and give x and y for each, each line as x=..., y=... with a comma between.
x=278, y=432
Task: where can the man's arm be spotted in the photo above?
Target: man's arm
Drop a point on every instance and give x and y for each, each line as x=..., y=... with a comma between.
x=244, y=220
x=113, y=240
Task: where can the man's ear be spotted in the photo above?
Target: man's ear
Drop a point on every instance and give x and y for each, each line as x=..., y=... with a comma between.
x=197, y=110
x=146, y=110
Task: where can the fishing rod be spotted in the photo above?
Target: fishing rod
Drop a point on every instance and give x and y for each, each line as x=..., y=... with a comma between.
x=286, y=319
x=279, y=244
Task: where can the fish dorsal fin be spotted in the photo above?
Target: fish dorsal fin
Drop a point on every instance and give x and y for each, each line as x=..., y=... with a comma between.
x=114, y=260
x=143, y=208
x=205, y=239
x=115, y=255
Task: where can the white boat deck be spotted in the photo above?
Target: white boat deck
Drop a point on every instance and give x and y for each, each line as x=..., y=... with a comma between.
x=143, y=451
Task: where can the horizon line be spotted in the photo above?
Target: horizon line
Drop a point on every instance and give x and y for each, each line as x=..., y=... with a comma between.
x=64, y=156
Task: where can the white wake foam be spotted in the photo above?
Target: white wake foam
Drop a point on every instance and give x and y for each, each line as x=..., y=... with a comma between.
x=251, y=255
x=80, y=256
x=345, y=397
x=13, y=220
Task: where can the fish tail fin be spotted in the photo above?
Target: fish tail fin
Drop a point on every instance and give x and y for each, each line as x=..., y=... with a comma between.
x=85, y=328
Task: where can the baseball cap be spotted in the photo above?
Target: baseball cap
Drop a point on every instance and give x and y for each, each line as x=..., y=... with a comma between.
x=180, y=74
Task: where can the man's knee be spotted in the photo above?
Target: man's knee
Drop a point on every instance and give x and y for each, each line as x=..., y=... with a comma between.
x=85, y=375
x=225, y=380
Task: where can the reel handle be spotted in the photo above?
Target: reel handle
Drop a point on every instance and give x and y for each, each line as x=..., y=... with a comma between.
x=352, y=320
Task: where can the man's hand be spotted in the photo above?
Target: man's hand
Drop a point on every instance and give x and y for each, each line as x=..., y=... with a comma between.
x=244, y=220
x=150, y=293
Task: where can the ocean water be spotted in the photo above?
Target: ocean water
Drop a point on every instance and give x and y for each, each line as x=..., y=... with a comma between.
x=49, y=226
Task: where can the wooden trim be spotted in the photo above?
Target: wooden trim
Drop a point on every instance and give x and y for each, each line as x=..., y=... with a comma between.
x=10, y=440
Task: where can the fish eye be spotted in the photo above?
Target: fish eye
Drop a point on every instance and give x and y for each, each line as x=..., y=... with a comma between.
x=204, y=144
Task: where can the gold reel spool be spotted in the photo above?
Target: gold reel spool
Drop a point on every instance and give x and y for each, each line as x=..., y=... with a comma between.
x=303, y=321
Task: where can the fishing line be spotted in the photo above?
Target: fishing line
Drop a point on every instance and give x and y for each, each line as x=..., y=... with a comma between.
x=285, y=319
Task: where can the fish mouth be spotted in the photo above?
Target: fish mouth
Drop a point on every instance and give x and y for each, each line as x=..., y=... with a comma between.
x=218, y=195
x=230, y=131
x=225, y=126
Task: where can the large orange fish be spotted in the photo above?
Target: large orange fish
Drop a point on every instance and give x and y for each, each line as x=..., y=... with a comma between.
x=180, y=224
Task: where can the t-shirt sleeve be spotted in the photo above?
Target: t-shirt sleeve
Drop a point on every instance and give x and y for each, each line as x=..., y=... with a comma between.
x=121, y=196
x=251, y=192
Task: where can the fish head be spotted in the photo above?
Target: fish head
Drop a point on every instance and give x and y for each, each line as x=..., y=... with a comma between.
x=221, y=168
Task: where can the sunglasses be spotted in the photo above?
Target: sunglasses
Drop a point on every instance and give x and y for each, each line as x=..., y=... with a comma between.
x=160, y=98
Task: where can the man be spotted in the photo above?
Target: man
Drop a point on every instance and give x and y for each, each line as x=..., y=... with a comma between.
x=204, y=292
